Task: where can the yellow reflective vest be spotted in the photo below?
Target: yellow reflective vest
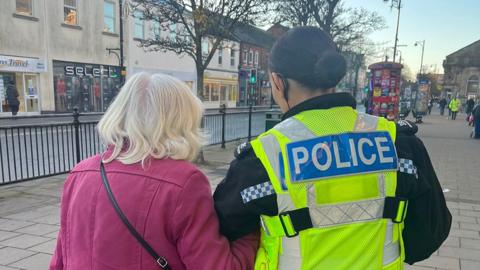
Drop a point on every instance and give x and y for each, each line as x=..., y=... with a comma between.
x=334, y=174
x=454, y=105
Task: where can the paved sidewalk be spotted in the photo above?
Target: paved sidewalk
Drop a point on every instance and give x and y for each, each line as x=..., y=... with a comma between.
x=29, y=215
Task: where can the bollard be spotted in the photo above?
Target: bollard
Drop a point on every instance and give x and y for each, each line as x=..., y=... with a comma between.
x=223, y=111
x=250, y=122
x=76, y=125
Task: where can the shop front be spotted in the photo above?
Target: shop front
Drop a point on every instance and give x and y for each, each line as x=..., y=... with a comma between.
x=19, y=84
x=89, y=87
x=220, y=89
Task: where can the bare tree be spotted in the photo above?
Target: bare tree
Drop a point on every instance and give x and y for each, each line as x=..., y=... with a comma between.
x=345, y=25
x=196, y=22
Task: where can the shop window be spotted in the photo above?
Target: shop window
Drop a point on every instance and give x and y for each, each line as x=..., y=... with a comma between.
x=206, y=92
x=232, y=57
x=90, y=88
x=24, y=7
x=139, y=25
x=215, y=92
x=220, y=56
x=233, y=93
x=70, y=12
x=109, y=16
x=224, y=92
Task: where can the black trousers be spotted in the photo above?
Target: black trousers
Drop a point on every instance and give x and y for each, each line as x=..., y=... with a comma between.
x=14, y=109
x=454, y=115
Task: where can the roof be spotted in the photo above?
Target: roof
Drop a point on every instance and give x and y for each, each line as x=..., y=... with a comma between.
x=469, y=49
x=466, y=56
x=253, y=35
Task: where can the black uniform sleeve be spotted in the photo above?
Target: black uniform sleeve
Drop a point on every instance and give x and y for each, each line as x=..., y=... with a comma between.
x=428, y=219
x=238, y=218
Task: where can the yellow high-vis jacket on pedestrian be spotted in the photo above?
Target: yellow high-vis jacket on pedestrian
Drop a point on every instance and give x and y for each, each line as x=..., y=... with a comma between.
x=335, y=183
x=454, y=105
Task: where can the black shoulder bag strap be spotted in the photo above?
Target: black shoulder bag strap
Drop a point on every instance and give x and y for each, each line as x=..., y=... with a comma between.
x=162, y=262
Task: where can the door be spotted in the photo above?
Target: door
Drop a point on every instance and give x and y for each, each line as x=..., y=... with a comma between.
x=31, y=92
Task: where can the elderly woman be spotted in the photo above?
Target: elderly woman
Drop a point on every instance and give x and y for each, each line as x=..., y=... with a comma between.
x=152, y=129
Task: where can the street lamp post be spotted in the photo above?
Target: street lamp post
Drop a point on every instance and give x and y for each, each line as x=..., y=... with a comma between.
x=423, y=50
x=398, y=5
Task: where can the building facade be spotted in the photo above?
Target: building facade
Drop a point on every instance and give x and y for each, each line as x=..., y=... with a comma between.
x=220, y=84
x=55, y=53
x=462, y=72
x=253, y=80
x=139, y=59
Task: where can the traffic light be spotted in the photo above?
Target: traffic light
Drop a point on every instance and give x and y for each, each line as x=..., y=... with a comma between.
x=366, y=89
x=253, y=76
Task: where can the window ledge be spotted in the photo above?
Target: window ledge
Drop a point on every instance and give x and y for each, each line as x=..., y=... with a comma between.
x=25, y=17
x=138, y=39
x=106, y=33
x=71, y=26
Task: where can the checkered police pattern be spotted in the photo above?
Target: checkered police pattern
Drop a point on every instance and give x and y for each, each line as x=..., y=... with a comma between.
x=406, y=166
x=257, y=192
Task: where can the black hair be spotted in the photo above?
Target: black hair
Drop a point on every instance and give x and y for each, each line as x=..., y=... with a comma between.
x=309, y=56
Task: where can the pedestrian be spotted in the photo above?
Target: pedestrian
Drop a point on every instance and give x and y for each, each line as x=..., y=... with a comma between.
x=469, y=108
x=454, y=107
x=152, y=129
x=442, y=104
x=449, y=110
x=430, y=105
x=308, y=180
x=476, y=120
x=12, y=97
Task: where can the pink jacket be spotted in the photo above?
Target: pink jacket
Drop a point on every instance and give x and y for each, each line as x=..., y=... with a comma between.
x=170, y=205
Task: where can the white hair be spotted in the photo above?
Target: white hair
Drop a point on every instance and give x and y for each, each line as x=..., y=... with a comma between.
x=153, y=116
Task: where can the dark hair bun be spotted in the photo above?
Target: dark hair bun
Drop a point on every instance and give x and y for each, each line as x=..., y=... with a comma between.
x=329, y=69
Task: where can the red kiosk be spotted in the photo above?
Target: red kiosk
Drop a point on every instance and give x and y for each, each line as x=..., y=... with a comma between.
x=384, y=89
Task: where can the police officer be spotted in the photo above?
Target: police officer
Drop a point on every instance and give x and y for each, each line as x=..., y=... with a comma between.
x=329, y=187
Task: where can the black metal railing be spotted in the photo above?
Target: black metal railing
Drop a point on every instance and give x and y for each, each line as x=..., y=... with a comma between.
x=38, y=150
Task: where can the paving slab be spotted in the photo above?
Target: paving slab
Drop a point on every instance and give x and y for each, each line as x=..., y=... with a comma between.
x=469, y=265
x=24, y=241
x=47, y=247
x=9, y=255
x=39, y=229
x=34, y=262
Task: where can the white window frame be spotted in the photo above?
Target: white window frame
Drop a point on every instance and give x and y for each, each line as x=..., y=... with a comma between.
x=155, y=28
x=256, y=58
x=250, y=57
x=136, y=23
x=205, y=48
x=114, y=15
x=232, y=57
x=245, y=57
x=220, y=56
x=71, y=7
x=22, y=13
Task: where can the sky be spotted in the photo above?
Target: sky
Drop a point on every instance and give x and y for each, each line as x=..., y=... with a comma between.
x=445, y=25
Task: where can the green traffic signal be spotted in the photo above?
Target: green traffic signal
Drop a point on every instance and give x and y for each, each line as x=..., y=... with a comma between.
x=253, y=76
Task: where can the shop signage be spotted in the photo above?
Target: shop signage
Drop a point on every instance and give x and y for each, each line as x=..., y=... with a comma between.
x=102, y=71
x=21, y=64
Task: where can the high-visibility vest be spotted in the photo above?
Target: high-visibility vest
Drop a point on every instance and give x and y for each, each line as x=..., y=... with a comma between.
x=454, y=104
x=335, y=174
